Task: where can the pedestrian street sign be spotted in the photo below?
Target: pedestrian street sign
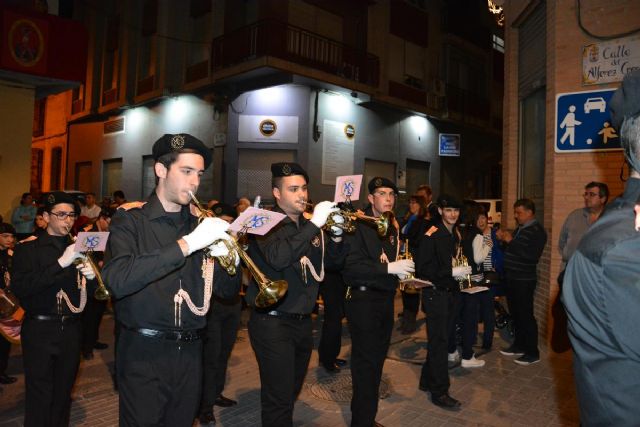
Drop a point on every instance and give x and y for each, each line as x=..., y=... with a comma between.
x=583, y=122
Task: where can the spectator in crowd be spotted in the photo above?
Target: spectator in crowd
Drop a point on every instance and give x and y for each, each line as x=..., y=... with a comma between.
x=23, y=216
x=242, y=205
x=492, y=269
x=118, y=199
x=425, y=191
x=91, y=210
x=595, y=197
x=522, y=253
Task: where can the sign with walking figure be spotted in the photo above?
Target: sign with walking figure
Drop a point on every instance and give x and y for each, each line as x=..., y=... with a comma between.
x=583, y=122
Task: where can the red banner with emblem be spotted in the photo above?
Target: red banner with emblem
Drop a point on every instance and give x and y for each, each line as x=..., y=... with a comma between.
x=25, y=39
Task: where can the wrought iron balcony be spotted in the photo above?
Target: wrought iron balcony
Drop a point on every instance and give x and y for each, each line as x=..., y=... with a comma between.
x=280, y=40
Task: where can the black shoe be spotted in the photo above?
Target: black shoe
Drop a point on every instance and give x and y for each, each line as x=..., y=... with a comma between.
x=225, y=402
x=87, y=355
x=446, y=402
x=332, y=368
x=527, y=360
x=512, y=351
x=207, y=418
x=340, y=362
x=423, y=387
x=6, y=379
x=100, y=345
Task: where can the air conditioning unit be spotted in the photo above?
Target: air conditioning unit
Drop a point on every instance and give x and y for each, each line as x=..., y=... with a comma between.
x=439, y=87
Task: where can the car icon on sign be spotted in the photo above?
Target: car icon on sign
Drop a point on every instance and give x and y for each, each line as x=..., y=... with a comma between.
x=597, y=103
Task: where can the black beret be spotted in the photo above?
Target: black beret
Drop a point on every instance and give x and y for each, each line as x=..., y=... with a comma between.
x=448, y=201
x=625, y=102
x=288, y=169
x=379, y=181
x=7, y=228
x=220, y=209
x=57, y=197
x=180, y=143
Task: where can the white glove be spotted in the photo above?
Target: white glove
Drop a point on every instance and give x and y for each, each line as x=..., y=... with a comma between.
x=86, y=270
x=322, y=211
x=220, y=248
x=69, y=256
x=337, y=231
x=401, y=268
x=207, y=232
x=460, y=271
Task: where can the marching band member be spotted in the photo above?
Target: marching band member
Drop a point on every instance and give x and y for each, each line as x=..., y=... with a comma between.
x=221, y=332
x=296, y=250
x=371, y=273
x=53, y=293
x=155, y=269
x=7, y=240
x=434, y=263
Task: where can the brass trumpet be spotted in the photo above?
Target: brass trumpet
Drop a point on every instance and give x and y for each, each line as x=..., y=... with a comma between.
x=271, y=291
x=381, y=223
x=101, y=293
x=461, y=261
x=405, y=285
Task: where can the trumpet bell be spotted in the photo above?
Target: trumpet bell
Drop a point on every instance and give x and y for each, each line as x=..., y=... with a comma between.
x=271, y=293
x=101, y=294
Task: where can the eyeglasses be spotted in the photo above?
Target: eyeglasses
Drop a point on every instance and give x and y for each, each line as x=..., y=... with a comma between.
x=590, y=194
x=64, y=215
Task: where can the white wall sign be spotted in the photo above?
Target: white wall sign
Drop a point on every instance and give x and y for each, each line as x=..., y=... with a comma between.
x=337, y=151
x=268, y=128
x=609, y=62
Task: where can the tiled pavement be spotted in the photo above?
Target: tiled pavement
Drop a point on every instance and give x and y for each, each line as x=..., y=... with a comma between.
x=499, y=394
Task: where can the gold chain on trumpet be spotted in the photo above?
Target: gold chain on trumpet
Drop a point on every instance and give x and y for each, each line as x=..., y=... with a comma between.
x=182, y=295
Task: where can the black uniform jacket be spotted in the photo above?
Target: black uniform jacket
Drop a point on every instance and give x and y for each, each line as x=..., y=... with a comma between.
x=364, y=266
x=144, y=267
x=601, y=293
x=435, y=252
x=37, y=277
x=278, y=256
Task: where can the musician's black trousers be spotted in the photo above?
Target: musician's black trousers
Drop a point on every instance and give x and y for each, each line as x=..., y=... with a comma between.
x=91, y=317
x=5, y=348
x=220, y=335
x=283, y=349
x=158, y=380
x=332, y=290
x=441, y=309
x=51, y=354
x=370, y=316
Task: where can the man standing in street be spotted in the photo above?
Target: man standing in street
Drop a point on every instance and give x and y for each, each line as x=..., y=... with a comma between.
x=371, y=274
x=23, y=216
x=53, y=295
x=296, y=250
x=601, y=289
x=156, y=270
x=437, y=250
x=90, y=209
x=595, y=197
x=522, y=253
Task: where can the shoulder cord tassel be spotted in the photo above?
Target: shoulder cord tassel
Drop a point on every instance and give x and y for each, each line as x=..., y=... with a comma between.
x=182, y=295
x=82, y=285
x=305, y=263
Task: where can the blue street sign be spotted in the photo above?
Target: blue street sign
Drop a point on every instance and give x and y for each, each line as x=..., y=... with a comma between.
x=449, y=144
x=583, y=122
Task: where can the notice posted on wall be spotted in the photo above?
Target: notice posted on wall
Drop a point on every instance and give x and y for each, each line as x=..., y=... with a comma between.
x=337, y=150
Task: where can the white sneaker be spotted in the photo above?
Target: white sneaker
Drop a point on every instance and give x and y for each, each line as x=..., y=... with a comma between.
x=454, y=357
x=472, y=363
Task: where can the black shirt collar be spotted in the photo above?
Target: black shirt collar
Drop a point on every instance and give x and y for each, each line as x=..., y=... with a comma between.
x=156, y=210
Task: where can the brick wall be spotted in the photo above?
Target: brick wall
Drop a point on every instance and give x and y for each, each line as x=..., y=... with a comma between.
x=565, y=174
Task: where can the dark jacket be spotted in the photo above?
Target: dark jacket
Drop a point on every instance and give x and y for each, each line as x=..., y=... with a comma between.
x=364, y=266
x=435, y=253
x=37, y=277
x=600, y=293
x=278, y=256
x=522, y=254
x=144, y=267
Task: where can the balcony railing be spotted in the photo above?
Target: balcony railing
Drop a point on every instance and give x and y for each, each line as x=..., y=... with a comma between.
x=293, y=44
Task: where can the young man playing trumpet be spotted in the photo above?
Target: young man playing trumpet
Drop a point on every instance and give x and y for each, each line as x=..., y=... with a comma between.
x=297, y=251
x=371, y=274
x=52, y=293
